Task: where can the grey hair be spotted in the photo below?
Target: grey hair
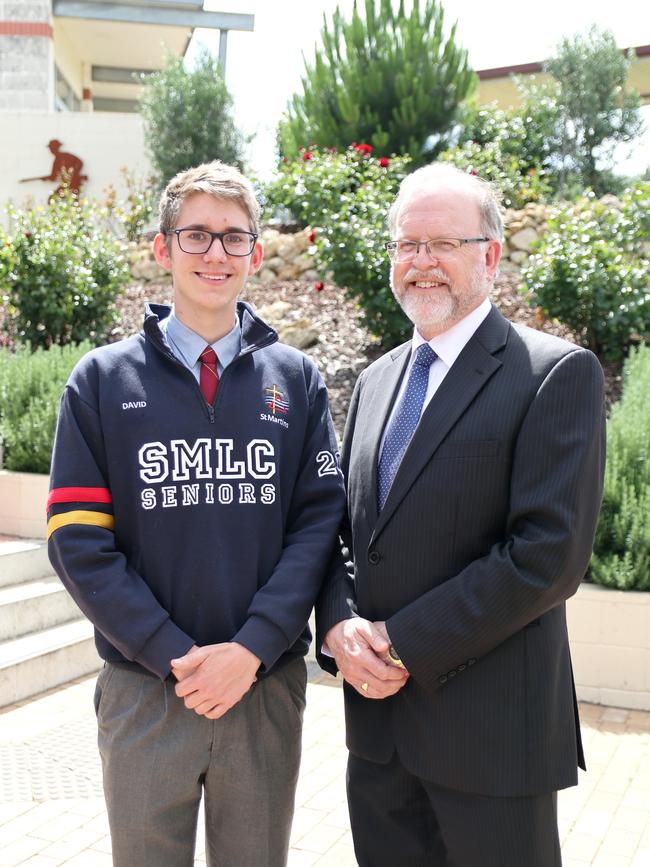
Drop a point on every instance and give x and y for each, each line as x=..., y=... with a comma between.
x=488, y=196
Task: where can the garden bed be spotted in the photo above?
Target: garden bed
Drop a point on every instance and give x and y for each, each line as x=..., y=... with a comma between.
x=345, y=346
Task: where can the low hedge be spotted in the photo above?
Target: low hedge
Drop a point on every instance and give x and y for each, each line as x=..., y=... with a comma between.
x=31, y=384
x=621, y=557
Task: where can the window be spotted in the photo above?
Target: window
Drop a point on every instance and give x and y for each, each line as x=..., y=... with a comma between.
x=65, y=99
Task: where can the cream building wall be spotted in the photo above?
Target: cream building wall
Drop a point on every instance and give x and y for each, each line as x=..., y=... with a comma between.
x=105, y=141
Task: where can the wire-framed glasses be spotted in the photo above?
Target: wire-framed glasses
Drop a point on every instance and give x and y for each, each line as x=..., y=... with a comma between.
x=437, y=248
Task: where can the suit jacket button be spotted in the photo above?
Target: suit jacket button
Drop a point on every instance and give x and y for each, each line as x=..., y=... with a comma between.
x=452, y=673
x=442, y=678
x=461, y=667
x=471, y=661
x=374, y=557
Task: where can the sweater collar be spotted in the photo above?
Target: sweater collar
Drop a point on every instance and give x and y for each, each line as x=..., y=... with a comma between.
x=255, y=333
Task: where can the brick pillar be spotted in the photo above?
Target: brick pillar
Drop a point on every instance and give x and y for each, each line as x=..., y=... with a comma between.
x=26, y=56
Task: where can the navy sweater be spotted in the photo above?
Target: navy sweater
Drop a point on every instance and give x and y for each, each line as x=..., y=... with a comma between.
x=175, y=523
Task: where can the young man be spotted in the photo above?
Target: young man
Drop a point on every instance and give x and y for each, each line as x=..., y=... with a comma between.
x=474, y=458
x=195, y=499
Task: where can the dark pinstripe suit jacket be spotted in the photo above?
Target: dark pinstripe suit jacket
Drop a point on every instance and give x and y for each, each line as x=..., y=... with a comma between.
x=486, y=532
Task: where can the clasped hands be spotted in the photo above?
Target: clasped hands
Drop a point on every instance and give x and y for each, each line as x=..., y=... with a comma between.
x=213, y=678
x=360, y=648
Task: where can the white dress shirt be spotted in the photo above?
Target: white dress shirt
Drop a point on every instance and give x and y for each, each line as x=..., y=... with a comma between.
x=447, y=346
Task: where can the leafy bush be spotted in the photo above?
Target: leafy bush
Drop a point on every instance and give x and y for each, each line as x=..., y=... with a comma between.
x=61, y=271
x=31, y=384
x=518, y=183
x=516, y=147
x=137, y=211
x=590, y=271
x=361, y=84
x=621, y=555
x=529, y=132
x=188, y=117
x=347, y=197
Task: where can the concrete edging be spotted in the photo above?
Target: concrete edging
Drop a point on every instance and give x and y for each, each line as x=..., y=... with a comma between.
x=610, y=646
x=23, y=499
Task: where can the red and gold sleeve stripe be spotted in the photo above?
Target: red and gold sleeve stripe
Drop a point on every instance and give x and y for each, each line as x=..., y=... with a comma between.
x=88, y=498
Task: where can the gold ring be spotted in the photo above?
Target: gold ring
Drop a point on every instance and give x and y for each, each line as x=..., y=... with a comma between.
x=364, y=686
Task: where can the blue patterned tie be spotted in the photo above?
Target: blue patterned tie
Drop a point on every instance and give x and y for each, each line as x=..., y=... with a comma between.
x=404, y=421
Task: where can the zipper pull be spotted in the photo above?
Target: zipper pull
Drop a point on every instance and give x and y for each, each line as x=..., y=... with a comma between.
x=211, y=413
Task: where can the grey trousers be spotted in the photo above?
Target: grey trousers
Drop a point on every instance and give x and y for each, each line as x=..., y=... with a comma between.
x=158, y=759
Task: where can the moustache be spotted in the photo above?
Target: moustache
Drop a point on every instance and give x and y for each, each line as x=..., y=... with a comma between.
x=414, y=275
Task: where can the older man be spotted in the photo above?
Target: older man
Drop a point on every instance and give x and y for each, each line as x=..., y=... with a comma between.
x=474, y=462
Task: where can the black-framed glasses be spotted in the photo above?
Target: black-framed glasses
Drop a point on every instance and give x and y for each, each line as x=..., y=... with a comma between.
x=437, y=248
x=235, y=243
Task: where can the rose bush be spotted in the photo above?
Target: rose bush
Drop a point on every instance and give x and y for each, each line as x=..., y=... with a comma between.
x=346, y=197
x=61, y=270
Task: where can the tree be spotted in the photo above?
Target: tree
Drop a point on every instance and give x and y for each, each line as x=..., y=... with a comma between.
x=391, y=80
x=188, y=117
x=597, y=112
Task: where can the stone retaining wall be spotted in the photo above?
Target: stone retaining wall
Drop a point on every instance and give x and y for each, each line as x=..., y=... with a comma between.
x=287, y=255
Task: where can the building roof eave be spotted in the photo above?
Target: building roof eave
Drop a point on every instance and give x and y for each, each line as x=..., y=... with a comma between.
x=176, y=15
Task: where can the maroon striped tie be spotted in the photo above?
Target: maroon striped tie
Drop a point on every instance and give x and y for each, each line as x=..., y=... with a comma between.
x=209, y=378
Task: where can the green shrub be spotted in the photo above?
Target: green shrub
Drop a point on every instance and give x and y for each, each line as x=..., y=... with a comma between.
x=621, y=555
x=138, y=210
x=31, y=384
x=519, y=183
x=61, y=271
x=346, y=197
x=590, y=271
x=529, y=132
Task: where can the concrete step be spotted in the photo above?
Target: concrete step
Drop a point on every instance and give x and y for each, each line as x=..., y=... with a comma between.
x=23, y=560
x=34, y=605
x=43, y=660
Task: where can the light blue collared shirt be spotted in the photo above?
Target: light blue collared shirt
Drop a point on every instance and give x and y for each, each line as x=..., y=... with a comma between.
x=187, y=345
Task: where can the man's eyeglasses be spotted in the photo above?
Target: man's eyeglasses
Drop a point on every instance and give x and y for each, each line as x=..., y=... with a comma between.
x=437, y=248
x=200, y=240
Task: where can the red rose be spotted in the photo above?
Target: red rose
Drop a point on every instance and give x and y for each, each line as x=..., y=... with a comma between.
x=383, y=162
x=306, y=155
x=312, y=237
x=319, y=286
x=472, y=172
x=363, y=148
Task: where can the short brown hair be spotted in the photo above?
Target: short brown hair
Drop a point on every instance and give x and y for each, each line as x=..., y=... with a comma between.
x=216, y=179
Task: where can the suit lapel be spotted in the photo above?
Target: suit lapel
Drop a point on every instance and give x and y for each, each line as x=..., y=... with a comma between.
x=470, y=372
x=379, y=404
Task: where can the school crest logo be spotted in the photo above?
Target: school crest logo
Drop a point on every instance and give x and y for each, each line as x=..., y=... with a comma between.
x=277, y=405
x=276, y=400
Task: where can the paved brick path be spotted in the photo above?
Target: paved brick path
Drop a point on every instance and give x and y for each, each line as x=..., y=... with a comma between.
x=52, y=812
